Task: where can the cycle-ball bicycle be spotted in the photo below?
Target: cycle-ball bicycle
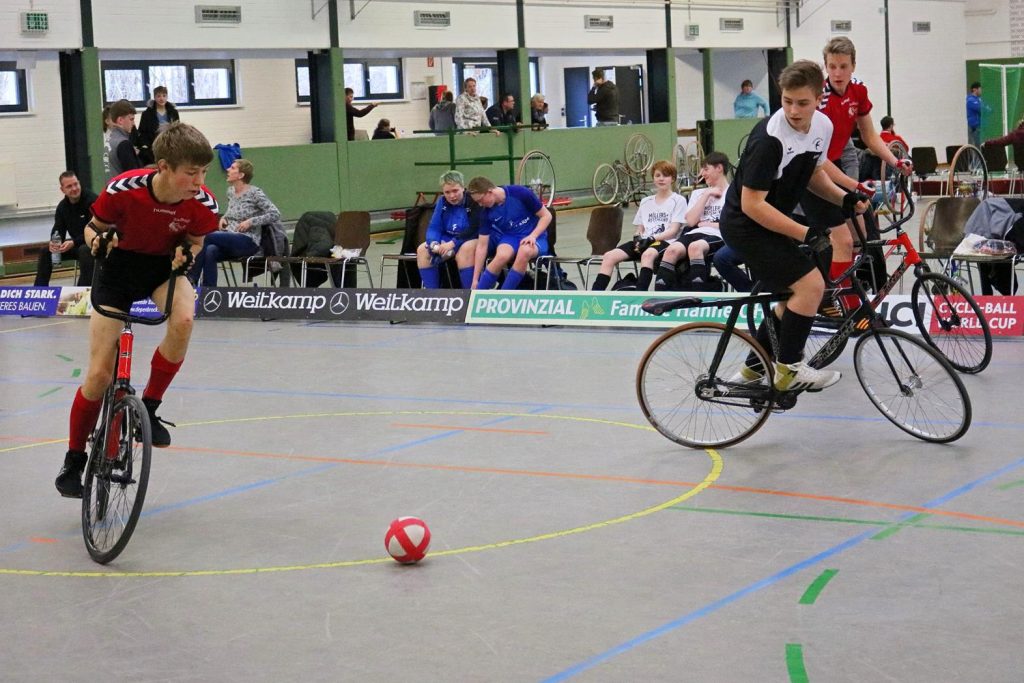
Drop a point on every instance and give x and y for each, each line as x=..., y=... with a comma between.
x=120, y=447
x=691, y=390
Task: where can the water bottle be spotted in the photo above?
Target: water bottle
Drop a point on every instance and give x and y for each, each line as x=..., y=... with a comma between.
x=55, y=243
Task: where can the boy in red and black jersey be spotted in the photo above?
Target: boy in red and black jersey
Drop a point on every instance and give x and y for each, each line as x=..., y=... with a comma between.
x=845, y=102
x=159, y=216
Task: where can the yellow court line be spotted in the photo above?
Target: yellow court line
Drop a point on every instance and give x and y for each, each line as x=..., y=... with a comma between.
x=712, y=476
x=35, y=327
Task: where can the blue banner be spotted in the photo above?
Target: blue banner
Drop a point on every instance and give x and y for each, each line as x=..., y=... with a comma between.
x=29, y=300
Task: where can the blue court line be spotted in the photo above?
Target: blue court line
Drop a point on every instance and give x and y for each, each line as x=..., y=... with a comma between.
x=766, y=582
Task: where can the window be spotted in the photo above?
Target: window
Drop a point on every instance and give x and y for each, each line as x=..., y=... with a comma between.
x=13, y=88
x=534, y=76
x=188, y=82
x=375, y=79
x=302, y=80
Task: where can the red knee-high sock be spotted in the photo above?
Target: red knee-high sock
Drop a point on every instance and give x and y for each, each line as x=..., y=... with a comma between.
x=160, y=376
x=850, y=301
x=83, y=418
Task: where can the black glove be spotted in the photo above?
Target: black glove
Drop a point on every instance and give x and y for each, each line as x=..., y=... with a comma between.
x=850, y=203
x=105, y=238
x=817, y=239
x=189, y=258
x=644, y=244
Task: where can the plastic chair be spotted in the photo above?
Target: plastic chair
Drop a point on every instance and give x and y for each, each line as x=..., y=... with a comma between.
x=352, y=231
x=604, y=233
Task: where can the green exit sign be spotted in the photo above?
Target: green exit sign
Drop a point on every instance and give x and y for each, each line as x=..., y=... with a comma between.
x=35, y=22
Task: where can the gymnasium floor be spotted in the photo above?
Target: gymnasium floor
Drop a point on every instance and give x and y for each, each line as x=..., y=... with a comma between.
x=570, y=541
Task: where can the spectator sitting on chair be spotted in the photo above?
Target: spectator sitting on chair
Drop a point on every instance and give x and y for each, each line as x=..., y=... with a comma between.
x=658, y=220
x=157, y=116
x=442, y=114
x=384, y=131
x=452, y=232
x=704, y=238
x=504, y=112
x=241, y=227
x=352, y=112
x=69, y=221
x=748, y=104
x=119, y=155
x=518, y=222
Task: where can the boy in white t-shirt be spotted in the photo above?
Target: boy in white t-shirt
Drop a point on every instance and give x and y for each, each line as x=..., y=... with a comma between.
x=702, y=237
x=658, y=221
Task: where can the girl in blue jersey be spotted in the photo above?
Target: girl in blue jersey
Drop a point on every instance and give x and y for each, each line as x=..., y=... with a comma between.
x=452, y=232
x=513, y=227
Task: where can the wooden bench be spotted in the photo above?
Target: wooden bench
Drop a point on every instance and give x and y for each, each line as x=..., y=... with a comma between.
x=19, y=260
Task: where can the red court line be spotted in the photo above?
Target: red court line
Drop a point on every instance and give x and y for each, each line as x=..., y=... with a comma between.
x=614, y=478
x=470, y=429
x=38, y=539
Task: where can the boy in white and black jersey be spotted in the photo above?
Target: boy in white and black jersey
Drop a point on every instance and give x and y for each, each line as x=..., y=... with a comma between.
x=784, y=156
x=658, y=221
x=701, y=234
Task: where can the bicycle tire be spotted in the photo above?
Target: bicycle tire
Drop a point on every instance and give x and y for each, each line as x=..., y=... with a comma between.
x=933, y=297
x=116, y=486
x=896, y=202
x=968, y=174
x=929, y=401
x=536, y=172
x=639, y=153
x=669, y=377
x=606, y=184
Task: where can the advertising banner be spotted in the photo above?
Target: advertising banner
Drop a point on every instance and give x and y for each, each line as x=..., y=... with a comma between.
x=29, y=300
x=393, y=305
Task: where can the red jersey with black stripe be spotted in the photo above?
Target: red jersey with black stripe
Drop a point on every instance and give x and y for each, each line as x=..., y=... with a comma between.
x=843, y=111
x=147, y=226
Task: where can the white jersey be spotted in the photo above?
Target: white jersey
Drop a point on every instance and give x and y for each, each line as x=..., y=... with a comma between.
x=654, y=217
x=709, y=218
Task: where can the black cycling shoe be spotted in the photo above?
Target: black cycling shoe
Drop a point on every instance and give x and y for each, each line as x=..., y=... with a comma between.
x=69, y=480
x=160, y=436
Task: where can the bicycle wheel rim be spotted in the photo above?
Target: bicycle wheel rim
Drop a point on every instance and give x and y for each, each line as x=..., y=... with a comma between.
x=639, y=153
x=927, y=401
x=666, y=384
x=114, y=491
x=606, y=184
x=939, y=309
x=538, y=173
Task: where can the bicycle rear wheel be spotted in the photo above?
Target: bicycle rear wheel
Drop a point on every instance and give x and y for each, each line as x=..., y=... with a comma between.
x=952, y=322
x=537, y=173
x=606, y=184
x=116, y=478
x=912, y=385
x=685, y=403
x=639, y=153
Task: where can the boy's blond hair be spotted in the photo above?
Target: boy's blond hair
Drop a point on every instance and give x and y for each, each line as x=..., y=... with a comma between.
x=800, y=74
x=840, y=45
x=480, y=185
x=182, y=144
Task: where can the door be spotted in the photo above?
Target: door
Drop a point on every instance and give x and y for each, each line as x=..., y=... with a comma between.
x=577, y=84
x=630, y=82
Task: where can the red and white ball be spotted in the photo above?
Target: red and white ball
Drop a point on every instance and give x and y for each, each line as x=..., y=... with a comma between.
x=407, y=539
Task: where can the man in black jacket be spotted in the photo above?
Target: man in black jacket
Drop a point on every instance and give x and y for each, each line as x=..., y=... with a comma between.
x=69, y=221
x=605, y=98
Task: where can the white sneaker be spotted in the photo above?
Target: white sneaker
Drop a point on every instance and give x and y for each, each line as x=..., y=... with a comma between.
x=746, y=375
x=802, y=377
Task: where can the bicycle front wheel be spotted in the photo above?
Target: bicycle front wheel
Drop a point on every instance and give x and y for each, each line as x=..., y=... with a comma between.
x=115, y=480
x=912, y=385
x=639, y=155
x=606, y=184
x=952, y=322
x=538, y=173
x=690, y=402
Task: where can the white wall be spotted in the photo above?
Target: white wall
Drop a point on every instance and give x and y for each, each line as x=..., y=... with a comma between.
x=760, y=29
x=35, y=141
x=384, y=24
x=266, y=24
x=562, y=27
x=64, y=19
x=988, y=29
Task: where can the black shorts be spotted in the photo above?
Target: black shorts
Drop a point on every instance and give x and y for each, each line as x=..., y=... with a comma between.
x=821, y=212
x=633, y=256
x=127, y=276
x=714, y=241
x=774, y=259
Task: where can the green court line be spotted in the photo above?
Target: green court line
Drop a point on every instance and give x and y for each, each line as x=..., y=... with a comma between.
x=1010, y=485
x=63, y=357
x=47, y=393
x=390, y=241
x=811, y=594
x=896, y=528
x=76, y=372
x=795, y=663
x=848, y=520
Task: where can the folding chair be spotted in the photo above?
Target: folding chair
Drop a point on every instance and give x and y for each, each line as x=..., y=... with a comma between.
x=406, y=257
x=351, y=231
